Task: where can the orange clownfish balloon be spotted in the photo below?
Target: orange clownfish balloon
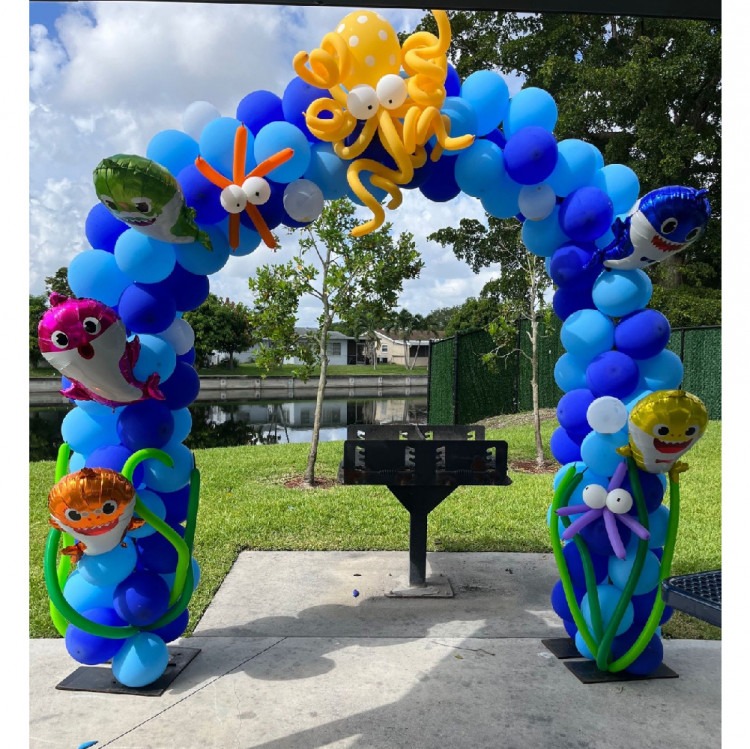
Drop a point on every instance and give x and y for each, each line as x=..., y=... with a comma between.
x=95, y=506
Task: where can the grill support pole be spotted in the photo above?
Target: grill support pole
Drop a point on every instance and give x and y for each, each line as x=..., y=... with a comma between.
x=417, y=548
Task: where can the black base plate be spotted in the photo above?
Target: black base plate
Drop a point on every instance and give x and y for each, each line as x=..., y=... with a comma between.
x=100, y=678
x=588, y=673
x=562, y=647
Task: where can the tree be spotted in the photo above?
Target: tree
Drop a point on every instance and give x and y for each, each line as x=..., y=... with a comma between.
x=474, y=314
x=342, y=274
x=59, y=283
x=220, y=325
x=404, y=324
x=37, y=308
x=439, y=318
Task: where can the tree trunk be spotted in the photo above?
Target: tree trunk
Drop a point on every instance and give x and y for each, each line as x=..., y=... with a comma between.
x=309, y=477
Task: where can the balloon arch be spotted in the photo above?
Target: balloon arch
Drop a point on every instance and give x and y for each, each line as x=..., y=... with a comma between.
x=364, y=117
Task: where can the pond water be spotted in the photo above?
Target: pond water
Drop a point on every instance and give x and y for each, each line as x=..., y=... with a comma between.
x=229, y=423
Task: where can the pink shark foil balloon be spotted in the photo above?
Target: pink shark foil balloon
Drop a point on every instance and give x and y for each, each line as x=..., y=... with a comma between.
x=86, y=342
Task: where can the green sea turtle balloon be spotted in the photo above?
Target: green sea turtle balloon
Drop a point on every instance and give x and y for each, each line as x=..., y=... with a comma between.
x=145, y=196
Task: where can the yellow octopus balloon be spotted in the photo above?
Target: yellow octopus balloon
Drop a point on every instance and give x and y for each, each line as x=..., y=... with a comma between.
x=663, y=426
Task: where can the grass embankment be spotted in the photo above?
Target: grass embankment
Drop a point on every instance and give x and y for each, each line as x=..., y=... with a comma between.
x=245, y=505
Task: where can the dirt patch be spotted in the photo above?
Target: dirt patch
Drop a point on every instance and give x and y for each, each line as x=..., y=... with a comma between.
x=510, y=420
x=298, y=482
x=531, y=466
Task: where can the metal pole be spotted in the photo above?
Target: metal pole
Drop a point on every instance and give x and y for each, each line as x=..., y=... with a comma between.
x=417, y=548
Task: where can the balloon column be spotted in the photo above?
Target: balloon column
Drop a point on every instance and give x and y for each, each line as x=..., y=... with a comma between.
x=363, y=117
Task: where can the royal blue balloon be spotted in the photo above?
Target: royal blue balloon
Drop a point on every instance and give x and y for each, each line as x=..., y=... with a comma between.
x=570, y=372
x=182, y=388
x=441, y=186
x=148, y=423
x=452, y=82
x=327, y=171
x=620, y=292
x=176, y=504
x=563, y=447
x=586, y=214
x=571, y=411
x=163, y=478
x=642, y=335
x=612, y=373
x=195, y=258
x=272, y=211
x=217, y=145
x=110, y=568
x=275, y=137
x=643, y=604
x=102, y=228
x=141, y=660
x=93, y=274
x=83, y=595
x=530, y=106
x=572, y=266
x=91, y=649
x=620, y=182
x=587, y=333
x=599, y=452
x=619, y=571
x=647, y=662
x=174, y=629
x=143, y=259
x=297, y=97
x=479, y=168
x=576, y=166
x=172, y=149
x=114, y=457
x=545, y=236
x=189, y=290
x=188, y=357
x=85, y=433
x=259, y=108
x=147, y=308
x=664, y=371
x=141, y=598
x=156, y=553
x=566, y=301
x=462, y=116
x=153, y=502
x=530, y=155
x=570, y=627
x=156, y=356
x=609, y=598
x=560, y=602
x=575, y=566
x=487, y=92
x=202, y=195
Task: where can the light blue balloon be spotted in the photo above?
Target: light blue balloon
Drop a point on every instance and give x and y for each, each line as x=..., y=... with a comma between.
x=487, y=92
x=619, y=292
x=196, y=572
x=110, y=568
x=543, y=237
x=76, y=462
x=462, y=116
x=183, y=423
x=501, y=201
x=217, y=145
x=640, y=394
x=479, y=168
x=162, y=478
x=582, y=647
x=327, y=171
x=84, y=433
x=579, y=465
x=658, y=521
x=588, y=477
x=620, y=569
x=249, y=242
x=276, y=136
x=82, y=595
x=154, y=503
x=576, y=166
x=142, y=259
x=664, y=371
x=173, y=149
x=599, y=452
x=195, y=258
x=530, y=106
x=609, y=597
x=197, y=116
x=93, y=274
x=620, y=183
x=156, y=355
x=141, y=660
x=570, y=373
x=587, y=333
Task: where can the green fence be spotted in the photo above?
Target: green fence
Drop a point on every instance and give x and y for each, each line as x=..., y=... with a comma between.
x=463, y=389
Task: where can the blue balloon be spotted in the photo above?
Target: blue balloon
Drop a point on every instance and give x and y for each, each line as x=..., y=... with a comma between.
x=143, y=259
x=570, y=372
x=653, y=486
x=249, y=242
x=618, y=293
x=102, y=228
x=579, y=466
x=530, y=106
x=560, y=602
x=621, y=183
x=197, y=115
x=259, y=108
x=570, y=628
x=452, y=82
x=110, y=568
x=176, y=504
x=217, y=145
x=597, y=540
x=93, y=274
x=156, y=355
x=501, y=201
x=173, y=149
x=496, y=137
x=272, y=211
x=183, y=423
x=148, y=423
x=141, y=598
x=530, y=155
x=664, y=371
x=612, y=373
x=658, y=520
x=642, y=335
x=275, y=137
x=147, y=308
x=586, y=214
x=487, y=92
x=599, y=452
x=155, y=504
x=156, y=552
x=587, y=333
x=479, y=168
x=114, y=457
x=188, y=357
x=545, y=236
x=85, y=432
x=189, y=290
x=575, y=566
x=195, y=258
x=83, y=595
x=571, y=266
x=462, y=116
x=566, y=301
x=571, y=411
x=576, y=166
x=582, y=647
x=647, y=662
x=140, y=661
x=440, y=185
x=162, y=478
x=202, y=195
x=297, y=97
x=609, y=597
x=89, y=649
x=174, y=629
x=619, y=571
x=643, y=604
x=182, y=387
x=563, y=446
x=588, y=476
x=327, y=171
x=76, y=462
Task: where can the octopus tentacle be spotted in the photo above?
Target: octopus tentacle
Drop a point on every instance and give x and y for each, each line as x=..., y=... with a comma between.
x=363, y=140
x=581, y=523
x=337, y=127
x=329, y=63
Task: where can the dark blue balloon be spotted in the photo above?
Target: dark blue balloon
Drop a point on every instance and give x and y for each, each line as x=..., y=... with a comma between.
x=497, y=137
x=643, y=334
x=597, y=540
x=570, y=627
x=272, y=211
x=182, y=387
x=258, y=109
x=566, y=301
x=440, y=185
x=574, y=563
x=612, y=373
x=114, y=457
x=586, y=214
x=452, y=82
x=176, y=504
x=202, y=195
x=90, y=649
x=560, y=602
x=571, y=412
x=148, y=423
x=642, y=606
x=141, y=598
x=563, y=447
x=156, y=553
x=189, y=290
x=297, y=97
x=530, y=155
x=568, y=266
x=648, y=661
x=174, y=629
x=102, y=228
x=147, y=308
x=653, y=488
x=188, y=357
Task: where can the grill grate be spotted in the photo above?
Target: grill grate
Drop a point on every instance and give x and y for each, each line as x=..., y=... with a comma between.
x=698, y=594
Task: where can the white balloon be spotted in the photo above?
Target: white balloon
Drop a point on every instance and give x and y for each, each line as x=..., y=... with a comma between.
x=197, y=116
x=362, y=102
x=303, y=200
x=257, y=190
x=536, y=202
x=179, y=335
x=607, y=415
x=233, y=199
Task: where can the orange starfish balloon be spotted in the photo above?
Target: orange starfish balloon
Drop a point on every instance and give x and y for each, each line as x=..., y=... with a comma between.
x=245, y=192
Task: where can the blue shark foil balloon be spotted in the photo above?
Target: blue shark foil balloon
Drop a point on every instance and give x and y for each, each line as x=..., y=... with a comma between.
x=662, y=223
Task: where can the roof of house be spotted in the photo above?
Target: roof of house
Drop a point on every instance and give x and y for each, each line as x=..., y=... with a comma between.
x=415, y=336
x=332, y=334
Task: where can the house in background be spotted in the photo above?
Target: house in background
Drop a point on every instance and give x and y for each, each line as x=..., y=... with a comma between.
x=341, y=349
x=412, y=352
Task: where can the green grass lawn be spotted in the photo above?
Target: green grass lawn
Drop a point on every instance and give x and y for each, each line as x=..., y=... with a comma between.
x=245, y=505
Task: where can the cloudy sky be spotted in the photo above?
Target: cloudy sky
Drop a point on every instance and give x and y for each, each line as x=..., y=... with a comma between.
x=105, y=77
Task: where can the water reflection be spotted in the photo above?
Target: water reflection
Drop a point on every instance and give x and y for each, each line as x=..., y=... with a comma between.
x=225, y=424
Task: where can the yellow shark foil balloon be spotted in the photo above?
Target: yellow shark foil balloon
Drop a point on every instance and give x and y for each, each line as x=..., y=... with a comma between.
x=663, y=426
